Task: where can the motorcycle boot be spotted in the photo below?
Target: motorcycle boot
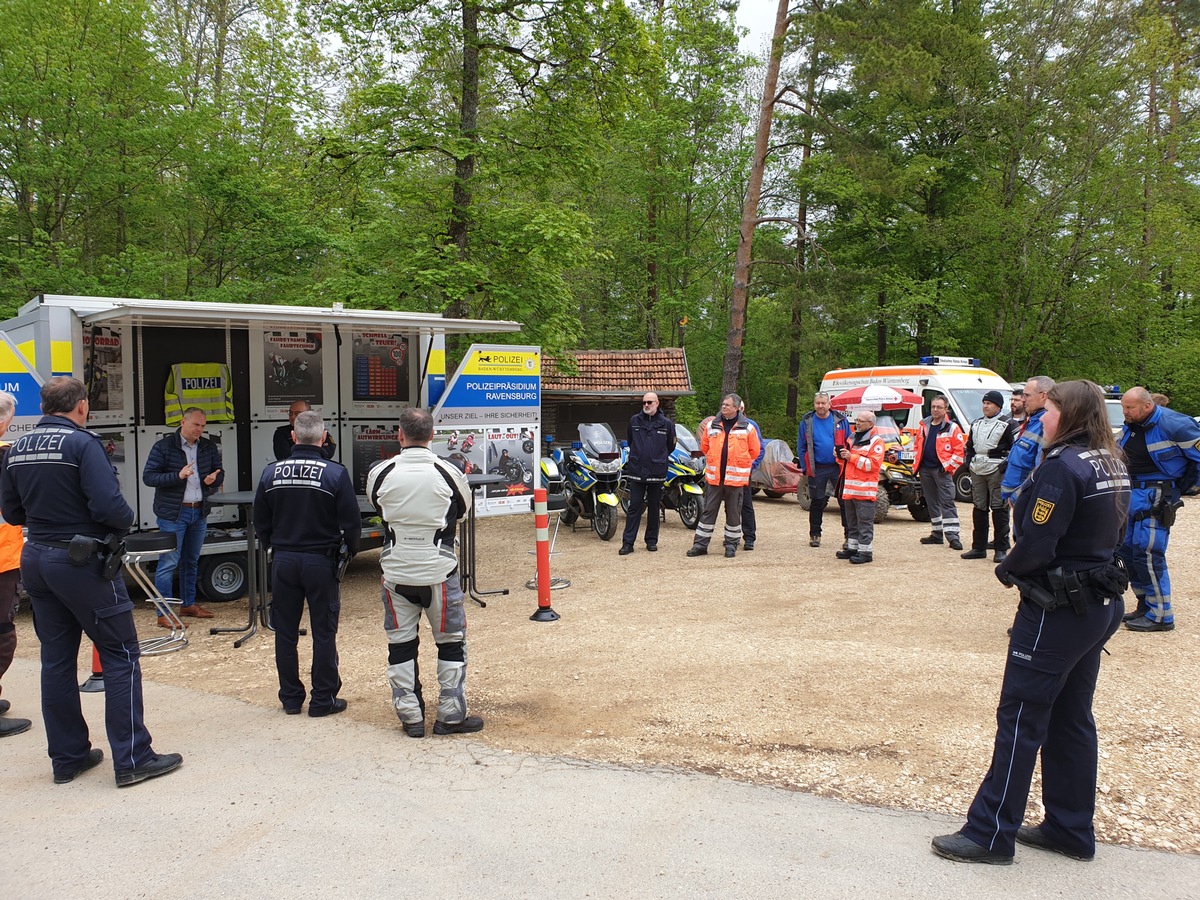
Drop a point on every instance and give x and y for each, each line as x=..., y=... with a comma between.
x=1000, y=525
x=979, y=534
x=407, y=698
x=451, y=684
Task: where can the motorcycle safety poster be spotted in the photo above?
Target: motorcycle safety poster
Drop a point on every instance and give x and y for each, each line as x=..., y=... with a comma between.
x=489, y=418
x=293, y=367
x=104, y=374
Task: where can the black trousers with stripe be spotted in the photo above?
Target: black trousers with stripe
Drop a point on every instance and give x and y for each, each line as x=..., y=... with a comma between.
x=1046, y=705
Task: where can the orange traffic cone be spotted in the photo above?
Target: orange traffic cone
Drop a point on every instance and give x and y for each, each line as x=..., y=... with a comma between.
x=95, y=682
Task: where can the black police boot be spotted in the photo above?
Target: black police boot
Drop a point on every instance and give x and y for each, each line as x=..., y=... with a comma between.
x=860, y=557
x=932, y=539
x=962, y=849
x=845, y=554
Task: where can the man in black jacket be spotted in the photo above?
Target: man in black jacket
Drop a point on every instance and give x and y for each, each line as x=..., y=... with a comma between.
x=57, y=481
x=305, y=510
x=183, y=468
x=283, y=442
x=651, y=440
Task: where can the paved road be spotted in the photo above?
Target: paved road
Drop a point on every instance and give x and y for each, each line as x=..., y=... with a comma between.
x=267, y=805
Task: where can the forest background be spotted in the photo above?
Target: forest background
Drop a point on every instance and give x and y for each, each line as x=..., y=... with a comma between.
x=1014, y=181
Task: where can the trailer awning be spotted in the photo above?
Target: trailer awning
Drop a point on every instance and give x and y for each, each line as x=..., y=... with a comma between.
x=118, y=310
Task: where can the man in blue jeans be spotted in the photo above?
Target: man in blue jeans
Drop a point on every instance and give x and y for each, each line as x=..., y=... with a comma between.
x=183, y=468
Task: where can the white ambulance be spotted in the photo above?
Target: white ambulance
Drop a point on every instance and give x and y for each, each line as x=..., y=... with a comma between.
x=963, y=381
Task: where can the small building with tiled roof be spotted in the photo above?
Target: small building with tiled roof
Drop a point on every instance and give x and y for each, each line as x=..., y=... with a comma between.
x=608, y=387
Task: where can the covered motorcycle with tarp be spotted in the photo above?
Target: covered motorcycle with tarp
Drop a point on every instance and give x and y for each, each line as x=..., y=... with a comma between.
x=776, y=475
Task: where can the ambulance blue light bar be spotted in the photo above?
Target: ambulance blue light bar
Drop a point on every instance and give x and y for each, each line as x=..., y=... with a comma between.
x=949, y=361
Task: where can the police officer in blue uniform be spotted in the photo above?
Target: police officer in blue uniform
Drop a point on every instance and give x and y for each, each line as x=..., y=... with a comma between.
x=1069, y=524
x=58, y=482
x=306, y=511
x=1160, y=447
x=1026, y=452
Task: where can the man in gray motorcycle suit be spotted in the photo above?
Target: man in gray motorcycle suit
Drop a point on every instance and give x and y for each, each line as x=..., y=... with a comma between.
x=421, y=498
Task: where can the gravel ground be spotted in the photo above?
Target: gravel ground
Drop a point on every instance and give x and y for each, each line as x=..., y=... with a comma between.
x=786, y=666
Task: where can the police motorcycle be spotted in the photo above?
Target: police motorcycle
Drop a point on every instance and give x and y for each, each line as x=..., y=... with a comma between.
x=590, y=469
x=683, y=489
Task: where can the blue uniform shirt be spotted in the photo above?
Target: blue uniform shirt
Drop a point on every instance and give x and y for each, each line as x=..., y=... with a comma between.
x=1171, y=441
x=1024, y=456
x=58, y=481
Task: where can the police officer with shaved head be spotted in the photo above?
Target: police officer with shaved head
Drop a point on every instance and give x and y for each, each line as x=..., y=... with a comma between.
x=1164, y=462
x=57, y=481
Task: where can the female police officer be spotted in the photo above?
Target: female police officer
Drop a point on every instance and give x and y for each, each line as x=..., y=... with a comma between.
x=1070, y=518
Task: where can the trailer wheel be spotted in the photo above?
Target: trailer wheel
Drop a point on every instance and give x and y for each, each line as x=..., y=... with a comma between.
x=223, y=577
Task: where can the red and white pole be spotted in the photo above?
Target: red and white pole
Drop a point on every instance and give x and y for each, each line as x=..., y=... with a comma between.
x=542, y=523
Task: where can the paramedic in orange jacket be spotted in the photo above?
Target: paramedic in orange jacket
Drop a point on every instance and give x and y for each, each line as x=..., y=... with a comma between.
x=862, y=460
x=11, y=543
x=731, y=445
x=938, y=452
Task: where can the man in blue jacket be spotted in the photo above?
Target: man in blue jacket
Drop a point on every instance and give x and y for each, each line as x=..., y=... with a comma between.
x=1160, y=452
x=821, y=432
x=1027, y=450
x=651, y=442
x=183, y=468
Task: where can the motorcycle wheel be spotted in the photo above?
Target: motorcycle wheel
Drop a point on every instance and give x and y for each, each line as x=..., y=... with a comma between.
x=882, y=505
x=918, y=510
x=605, y=522
x=689, y=510
x=623, y=494
x=569, y=515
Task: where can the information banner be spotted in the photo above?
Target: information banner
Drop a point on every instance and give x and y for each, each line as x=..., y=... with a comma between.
x=372, y=442
x=104, y=373
x=380, y=373
x=293, y=367
x=489, y=418
x=494, y=385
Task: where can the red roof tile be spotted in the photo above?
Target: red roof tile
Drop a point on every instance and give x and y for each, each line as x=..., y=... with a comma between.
x=621, y=372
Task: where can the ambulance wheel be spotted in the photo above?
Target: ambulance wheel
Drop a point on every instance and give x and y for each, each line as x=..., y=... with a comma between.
x=605, y=522
x=689, y=510
x=802, y=494
x=919, y=510
x=882, y=505
x=962, y=487
x=774, y=495
x=222, y=577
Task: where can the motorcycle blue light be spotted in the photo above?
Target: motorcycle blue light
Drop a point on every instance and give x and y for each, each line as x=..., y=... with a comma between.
x=576, y=445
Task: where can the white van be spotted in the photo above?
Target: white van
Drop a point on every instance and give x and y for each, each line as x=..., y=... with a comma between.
x=961, y=380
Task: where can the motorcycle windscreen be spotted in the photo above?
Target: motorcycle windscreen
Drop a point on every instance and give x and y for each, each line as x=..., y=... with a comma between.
x=597, y=438
x=685, y=439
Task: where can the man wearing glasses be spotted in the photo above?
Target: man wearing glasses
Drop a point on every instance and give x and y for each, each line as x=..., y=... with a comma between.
x=283, y=440
x=651, y=440
x=1027, y=451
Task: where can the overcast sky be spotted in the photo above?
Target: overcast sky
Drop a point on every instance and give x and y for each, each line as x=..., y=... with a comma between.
x=759, y=17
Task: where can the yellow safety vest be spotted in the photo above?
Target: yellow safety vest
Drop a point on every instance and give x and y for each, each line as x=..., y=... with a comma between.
x=206, y=386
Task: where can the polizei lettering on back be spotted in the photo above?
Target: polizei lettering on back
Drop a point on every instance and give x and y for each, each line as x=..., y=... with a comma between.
x=201, y=384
